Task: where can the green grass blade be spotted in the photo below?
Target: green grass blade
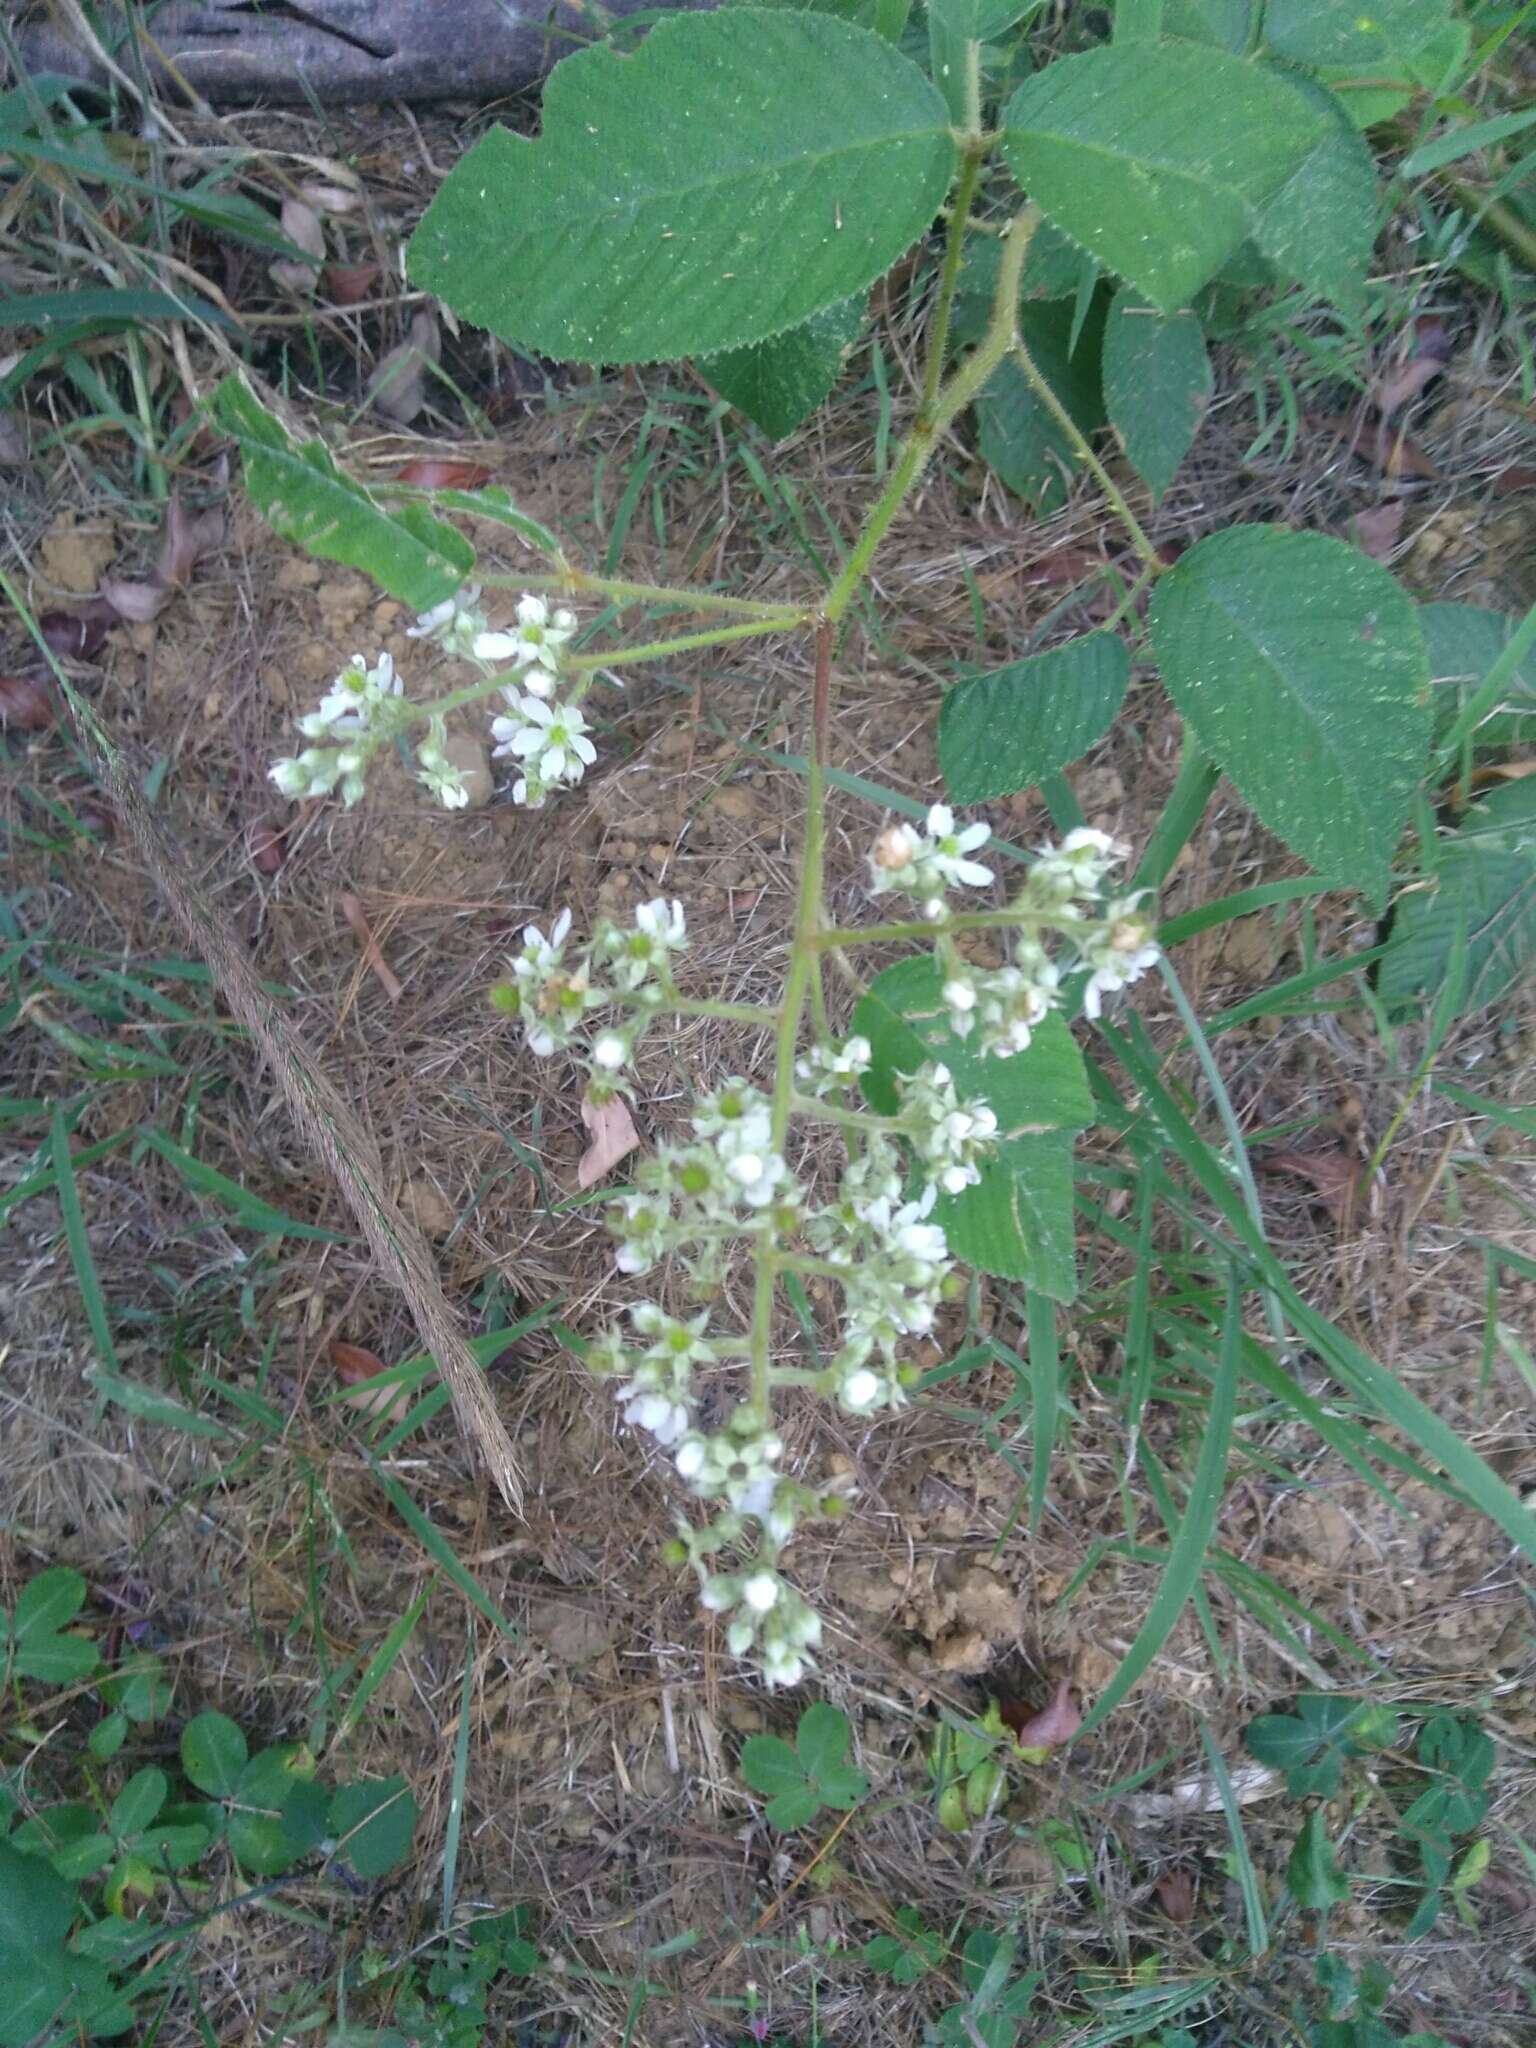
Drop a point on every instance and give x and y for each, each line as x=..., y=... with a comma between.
x=1044, y=1400
x=381, y=1663
x=86, y=1278
x=1186, y=1556
x=460, y=1772
x=149, y=1405
x=249, y=1209
x=437, y=1548
x=1242, y=1861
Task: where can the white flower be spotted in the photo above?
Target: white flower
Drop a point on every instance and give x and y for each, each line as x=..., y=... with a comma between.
x=1118, y=954
x=826, y=1067
x=538, y=682
x=760, y=1591
x=948, y=854
x=552, y=739
x=456, y=624
x=610, y=1051
x=690, y=1461
x=860, y=1391
x=442, y=777
x=666, y=1420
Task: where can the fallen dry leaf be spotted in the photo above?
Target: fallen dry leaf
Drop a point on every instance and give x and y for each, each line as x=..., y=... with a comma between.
x=187, y=537
x=327, y=198
x=1378, y=530
x=301, y=224
x=268, y=846
x=434, y=473
x=27, y=704
x=1393, y=453
x=354, y=1363
x=1518, y=476
x=397, y=387
x=1334, y=1174
x=1056, y=1722
x=613, y=1136
x=1176, y=1895
x=78, y=635
x=389, y=981
x=348, y=284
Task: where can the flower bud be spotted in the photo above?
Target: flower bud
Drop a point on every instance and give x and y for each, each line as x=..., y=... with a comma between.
x=503, y=997
x=894, y=848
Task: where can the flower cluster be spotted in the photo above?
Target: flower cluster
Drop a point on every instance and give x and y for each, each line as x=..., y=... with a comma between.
x=729, y=1183
x=543, y=728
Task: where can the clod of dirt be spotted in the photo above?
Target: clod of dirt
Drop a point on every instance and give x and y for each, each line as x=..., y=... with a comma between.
x=72, y=557
x=472, y=759
x=427, y=1207
x=571, y=1634
x=969, y=1616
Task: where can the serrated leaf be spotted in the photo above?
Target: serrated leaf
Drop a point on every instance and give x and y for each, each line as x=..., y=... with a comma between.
x=373, y=1823
x=1005, y=731
x=494, y=502
x=1313, y=1875
x=213, y=1754
x=1464, y=641
x=770, y=1766
x=1320, y=225
x=1018, y=438
x=780, y=382
x=841, y=1786
x=1483, y=887
x=1157, y=384
x=1157, y=158
x=1018, y=1221
x=739, y=172
x=1361, y=38
x=305, y=499
x=1299, y=666
x=792, y=1809
x=1226, y=23
x=822, y=1738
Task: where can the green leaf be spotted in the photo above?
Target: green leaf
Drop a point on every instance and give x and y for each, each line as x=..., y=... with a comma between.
x=822, y=1739
x=1157, y=159
x=1320, y=225
x=213, y=1754
x=47, y=1604
x=1464, y=641
x=140, y=1687
x=1008, y=730
x=136, y=1806
x=84, y=1857
x=494, y=502
x=795, y=1808
x=37, y=1907
x=1225, y=23
x=373, y=1822
x=1018, y=1221
x=279, y=1810
x=739, y=172
x=780, y=382
x=1299, y=666
x=307, y=500
x=1312, y=1875
x=770, y=1766
x=1482, y=892
x=108, y=1737
x=1157, y=383
x=1371, y=37
x=1017, y=436
x=981, y=21
x=1312, y=1744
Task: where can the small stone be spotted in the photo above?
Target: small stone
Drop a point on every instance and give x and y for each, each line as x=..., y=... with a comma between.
x=470, y=756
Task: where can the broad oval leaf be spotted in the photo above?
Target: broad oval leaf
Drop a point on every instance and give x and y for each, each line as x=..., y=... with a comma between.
x=1157, y=383
x=1157, y=159
x=823, y=1738
x=1333, y=32
x=1464, y=641
x=48, y=1603
x=1320, y=225
x=1299, y=666
x=213, y=1753
x=780, y=382
x=739, y=172
x=1003, y=732
x=373, y=1823
x=306, y=499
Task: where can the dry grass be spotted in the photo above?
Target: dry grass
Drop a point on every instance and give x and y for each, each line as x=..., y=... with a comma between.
x=602, y=1781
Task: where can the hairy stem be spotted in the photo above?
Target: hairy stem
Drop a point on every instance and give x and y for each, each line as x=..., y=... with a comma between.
x=685, y=643
x=954, y=245
x=1078, y=442
x=917, y=449
x=577, y=583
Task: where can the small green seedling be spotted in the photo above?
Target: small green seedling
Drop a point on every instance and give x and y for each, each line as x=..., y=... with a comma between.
x=907, y=1955
x=35, y=1640
x=1312, y=1745
x=798, y=1782
x=993, y=2013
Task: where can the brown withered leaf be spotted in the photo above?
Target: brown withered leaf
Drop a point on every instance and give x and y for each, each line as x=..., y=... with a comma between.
x=1379, y=529
x=397, y=387
x=348, y=284
x=78, y=635
x=301, y=224
x=353, y=1363
x=267, y=845
x=1333, y=1174
x=612, y=1137
x=1517, y=476
x=389, y=981
x=27, y=704
x=1056, y=1722
x=1176, y=1895
x=1392, y=452
x=186, y=538
x=325, y=197
x=435, y=473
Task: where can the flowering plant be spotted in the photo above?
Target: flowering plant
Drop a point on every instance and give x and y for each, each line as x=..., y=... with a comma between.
x=760, y=169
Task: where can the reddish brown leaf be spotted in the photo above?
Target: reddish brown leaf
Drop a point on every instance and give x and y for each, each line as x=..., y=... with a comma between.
x=27, y=704
x=1393, y=453
x=613, y=1137
x=138, y=603
x=301, y=224
x=433, y=473
x=1056, y=1722
x=348, y=284
x=1176, y=1895
x=187, y=538
x=268, y=846
x=79, y=635
x=1378, y=530
x=1517, y=477
x=353, y=1364
x=1403, y=383
x=389, y=981
x=1333, y=1173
